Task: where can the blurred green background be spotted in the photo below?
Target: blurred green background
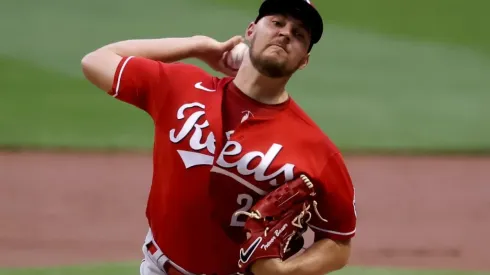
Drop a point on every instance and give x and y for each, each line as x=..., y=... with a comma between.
x=388, y=76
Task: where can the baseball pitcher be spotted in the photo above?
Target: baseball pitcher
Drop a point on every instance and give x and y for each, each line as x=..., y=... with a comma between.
x=240, y=171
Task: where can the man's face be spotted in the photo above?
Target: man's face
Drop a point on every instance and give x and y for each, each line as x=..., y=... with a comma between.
x=278, y=45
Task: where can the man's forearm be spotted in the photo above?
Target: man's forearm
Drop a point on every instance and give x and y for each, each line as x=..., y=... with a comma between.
x=322, y=257
x=162, y=49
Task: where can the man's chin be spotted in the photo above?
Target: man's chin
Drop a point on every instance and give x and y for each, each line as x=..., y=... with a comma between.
x=270, y=65
x=273, y=60
x=273, y=70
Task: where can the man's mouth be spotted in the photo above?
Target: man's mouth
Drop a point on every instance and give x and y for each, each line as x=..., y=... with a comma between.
x=279, y=46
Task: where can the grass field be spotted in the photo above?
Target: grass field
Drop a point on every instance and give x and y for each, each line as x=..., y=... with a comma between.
x=132, y=269
x=389, y=75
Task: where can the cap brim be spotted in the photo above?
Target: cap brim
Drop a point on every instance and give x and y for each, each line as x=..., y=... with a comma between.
x=299, y=9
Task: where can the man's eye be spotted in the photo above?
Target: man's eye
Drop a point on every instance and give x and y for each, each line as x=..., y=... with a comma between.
x=299, y=34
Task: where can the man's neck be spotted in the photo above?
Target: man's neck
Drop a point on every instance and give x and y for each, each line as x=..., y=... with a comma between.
x=259, y=87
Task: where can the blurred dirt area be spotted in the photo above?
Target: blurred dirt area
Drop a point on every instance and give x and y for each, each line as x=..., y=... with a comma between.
x=68, y=208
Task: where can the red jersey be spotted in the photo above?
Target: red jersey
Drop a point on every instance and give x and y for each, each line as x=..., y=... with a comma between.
x=217, y=151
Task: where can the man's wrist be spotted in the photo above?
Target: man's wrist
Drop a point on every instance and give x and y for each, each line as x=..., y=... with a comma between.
x=198, y=46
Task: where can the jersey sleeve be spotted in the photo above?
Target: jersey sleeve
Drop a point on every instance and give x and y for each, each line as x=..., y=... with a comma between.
x=142, y=82
x=336, y=202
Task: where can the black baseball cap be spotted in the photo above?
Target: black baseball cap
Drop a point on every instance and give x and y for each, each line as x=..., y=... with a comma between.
x=300, y=9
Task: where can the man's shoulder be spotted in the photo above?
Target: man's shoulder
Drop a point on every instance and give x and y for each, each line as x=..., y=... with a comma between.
x=185, y=69
x=192, y=76
x=311, y=129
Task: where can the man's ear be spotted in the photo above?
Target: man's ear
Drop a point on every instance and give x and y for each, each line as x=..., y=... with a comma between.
x=304, y=62
x=249, y=32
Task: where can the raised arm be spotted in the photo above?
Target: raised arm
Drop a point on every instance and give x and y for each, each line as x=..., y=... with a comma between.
x=100, y=65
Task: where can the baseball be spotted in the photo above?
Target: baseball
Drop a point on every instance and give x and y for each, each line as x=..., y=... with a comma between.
x=235, y=57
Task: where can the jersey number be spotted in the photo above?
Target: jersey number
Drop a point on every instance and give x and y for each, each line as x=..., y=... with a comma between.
x=246, y=201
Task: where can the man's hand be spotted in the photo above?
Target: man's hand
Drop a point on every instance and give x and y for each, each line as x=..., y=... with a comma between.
x=213, y=52
x=275, y=221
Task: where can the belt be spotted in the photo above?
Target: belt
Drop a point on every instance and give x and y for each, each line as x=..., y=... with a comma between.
x=167, y=266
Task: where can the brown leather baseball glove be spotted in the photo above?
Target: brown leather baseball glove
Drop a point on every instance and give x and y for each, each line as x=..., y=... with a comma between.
x=276, y=221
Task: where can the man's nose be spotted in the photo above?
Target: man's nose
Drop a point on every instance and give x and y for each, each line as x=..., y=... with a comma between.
x=285, y=32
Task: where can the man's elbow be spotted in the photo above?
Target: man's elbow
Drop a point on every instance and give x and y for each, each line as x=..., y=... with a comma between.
x=91, y=70
x=342, y=262
x=93, y=62
x=87, y=64
x=343, y=255
x=99, y=68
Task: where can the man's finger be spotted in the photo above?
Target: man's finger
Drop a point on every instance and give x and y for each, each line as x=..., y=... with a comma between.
x=232, y=42
x=227, y=71
x=224, y=68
